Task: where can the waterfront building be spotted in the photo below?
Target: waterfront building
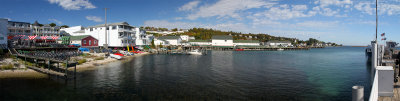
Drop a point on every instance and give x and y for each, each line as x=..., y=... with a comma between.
x=222, y=40
x=172, y=40
x=45, y=30
x=74, y=31
x=158, y=42
x=185, y=38
x=192, y=38
x=200, y=42
x=19, y=28
x=279, y=43
x=3, y=33
x=142, y=39
x=246, y=43
x=84, y=40
x=118, y=34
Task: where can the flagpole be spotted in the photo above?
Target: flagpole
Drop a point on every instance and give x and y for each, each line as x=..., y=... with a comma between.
x=376, y=26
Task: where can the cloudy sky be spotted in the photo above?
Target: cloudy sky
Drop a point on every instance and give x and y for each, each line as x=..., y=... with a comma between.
x=348, y=22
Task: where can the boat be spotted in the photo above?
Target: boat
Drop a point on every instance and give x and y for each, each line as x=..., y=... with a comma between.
x=115, y=56
x=239, y=50
x=280, y=49
x=195, y=52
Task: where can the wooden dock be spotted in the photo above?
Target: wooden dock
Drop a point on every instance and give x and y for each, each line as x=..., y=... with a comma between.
x=391, y=61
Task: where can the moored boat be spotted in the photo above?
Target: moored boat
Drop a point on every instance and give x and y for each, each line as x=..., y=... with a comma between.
x=195, y=52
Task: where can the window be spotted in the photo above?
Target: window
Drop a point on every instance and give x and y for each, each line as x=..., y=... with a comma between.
x=114, y=27
x=90, y=42
x=91, y=29
x=84, y=41
x=1, y=38
x=95, y=42
x=225, y=40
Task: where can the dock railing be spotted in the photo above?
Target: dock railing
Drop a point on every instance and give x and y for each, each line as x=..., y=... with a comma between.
x=374, y=90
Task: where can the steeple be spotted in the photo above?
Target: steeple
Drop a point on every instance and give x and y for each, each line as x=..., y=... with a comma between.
x=36, y=23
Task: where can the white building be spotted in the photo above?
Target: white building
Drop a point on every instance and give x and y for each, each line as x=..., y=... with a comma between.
x=200, y=42
x=118, y=34
x=158, y=42
x=45, y=30
x=185, y=38
x=172, y=40
x=222, y=40
x=3, y=33
x=18, y=28
x=246, y=43
x=279, y=43
x=74, y=31
x=142, y=39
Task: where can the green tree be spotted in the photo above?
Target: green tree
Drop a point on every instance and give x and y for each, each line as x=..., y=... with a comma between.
x=53, y=24
x=175, y=29
x=65, y=26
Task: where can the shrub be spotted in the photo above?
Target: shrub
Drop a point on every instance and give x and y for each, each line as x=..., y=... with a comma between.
x=7, y=67
x=81, y=61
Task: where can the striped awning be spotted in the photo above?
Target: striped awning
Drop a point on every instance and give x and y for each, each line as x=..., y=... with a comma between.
x=43, y=37
x=32, y=37
x=55, y=37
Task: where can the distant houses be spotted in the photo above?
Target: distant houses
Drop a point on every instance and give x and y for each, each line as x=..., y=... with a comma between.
x=279, y=43
x=171, y=40
x=200, y=42
x=222, y=40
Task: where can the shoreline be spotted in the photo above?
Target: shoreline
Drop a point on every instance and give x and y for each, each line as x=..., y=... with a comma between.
x=93, y=64
x=28, y=73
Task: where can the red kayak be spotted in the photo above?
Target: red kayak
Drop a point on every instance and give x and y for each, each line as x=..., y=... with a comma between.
x=239, y=49
x=119, y=54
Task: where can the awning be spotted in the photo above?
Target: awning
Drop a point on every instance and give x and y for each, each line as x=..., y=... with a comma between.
x=55, y=37
x=43, y=37
x=32, y=37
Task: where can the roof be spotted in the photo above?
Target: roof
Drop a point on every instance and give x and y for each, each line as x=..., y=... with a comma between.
x=168, y=37
x=111, y=24
x=81, y=31
x=199, y=41
x=275, y=41
x=223, y=37
x=80, y=37
x=246, y=41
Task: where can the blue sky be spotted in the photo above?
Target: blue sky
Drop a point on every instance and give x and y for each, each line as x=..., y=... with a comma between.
x=348, y=22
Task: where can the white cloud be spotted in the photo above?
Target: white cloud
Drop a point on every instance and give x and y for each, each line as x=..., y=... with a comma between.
x=185, y=25
x=388, y=8
x=189, y=6
x=283, y=12
x=56, y=21
x=94, y=18
x=365, y=7
x=340, y=3
x=73, y=4
x=227, y=8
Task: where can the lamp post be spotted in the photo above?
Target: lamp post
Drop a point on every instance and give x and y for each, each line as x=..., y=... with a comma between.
x=105, y=25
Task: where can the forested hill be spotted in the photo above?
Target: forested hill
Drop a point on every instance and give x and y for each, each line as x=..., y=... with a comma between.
x=206, y=34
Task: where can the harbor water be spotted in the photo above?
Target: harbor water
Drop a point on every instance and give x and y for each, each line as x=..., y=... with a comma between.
x=325, y=74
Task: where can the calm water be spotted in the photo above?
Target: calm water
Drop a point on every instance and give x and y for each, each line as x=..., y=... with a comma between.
x=317, y=74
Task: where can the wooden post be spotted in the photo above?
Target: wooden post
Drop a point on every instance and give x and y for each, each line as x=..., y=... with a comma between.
x=66, y=69
x=75, y=72
x=48, y=64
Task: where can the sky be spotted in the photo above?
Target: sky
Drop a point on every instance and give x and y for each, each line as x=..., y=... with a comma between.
x=347, y=22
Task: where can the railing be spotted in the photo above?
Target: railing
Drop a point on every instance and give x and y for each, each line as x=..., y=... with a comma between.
x=374, y=90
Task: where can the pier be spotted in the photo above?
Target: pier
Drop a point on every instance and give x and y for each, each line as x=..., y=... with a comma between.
x=48, y=62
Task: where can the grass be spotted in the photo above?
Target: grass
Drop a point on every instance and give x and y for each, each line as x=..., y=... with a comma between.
x=7, y=67
x=81, y=61
x=99, y=58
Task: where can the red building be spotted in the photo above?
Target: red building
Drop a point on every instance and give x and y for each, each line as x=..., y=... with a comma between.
x=84, y=41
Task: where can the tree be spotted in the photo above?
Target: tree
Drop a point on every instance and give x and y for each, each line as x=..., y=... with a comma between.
x=175, y=29
x=52, y=24
x=152, y=44
x=65, y=26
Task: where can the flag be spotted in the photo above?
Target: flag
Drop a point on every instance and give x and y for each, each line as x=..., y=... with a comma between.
x=383, y=34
